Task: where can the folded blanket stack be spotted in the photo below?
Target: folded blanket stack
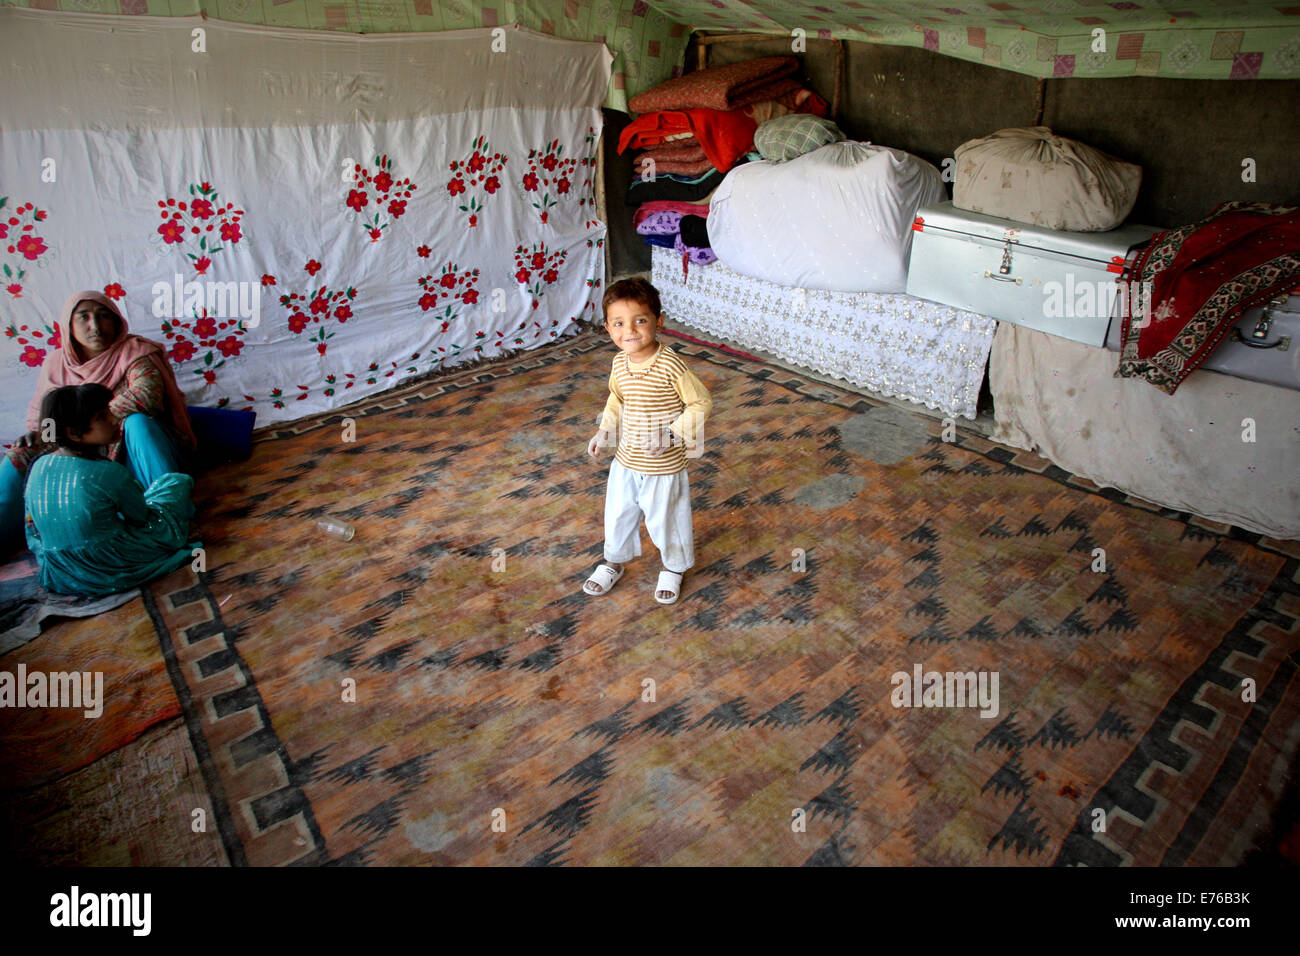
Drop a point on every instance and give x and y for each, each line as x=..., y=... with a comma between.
x=691, y=131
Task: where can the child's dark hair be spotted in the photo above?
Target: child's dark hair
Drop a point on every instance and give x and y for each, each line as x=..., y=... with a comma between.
x=637, y=289
x=71, y=408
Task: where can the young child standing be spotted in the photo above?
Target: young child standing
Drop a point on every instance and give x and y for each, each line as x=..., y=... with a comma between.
x=656, y=408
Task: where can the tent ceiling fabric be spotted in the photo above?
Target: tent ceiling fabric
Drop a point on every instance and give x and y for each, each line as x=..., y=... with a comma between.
x=1191, y=39
x=646, y=44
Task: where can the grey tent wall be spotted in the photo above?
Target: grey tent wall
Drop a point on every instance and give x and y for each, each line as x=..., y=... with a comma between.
x=1190, y=136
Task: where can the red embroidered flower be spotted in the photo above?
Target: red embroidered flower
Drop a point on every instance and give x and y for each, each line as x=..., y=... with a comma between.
x=562, y=186
x=423, y=252
x=549, y=162
x=476, y=162
x=114, y=291
x=320, y=347
x=201, y=209
x=473, y=220
x=297, y=322
x=319, y=305
x=550, y=276
x=229, y=346
x=397, y=207
x=383, y=182
x=491, y=184
x=523, y=275
x=313, y=267
x=4, y=230
x=31, y=247
x=172, y=231
x=428, y=301
x=230, y=232
x=539, y=260
x=375, y=234
x=448, y=281
x=56, y=340
x=343, y=313
x=205, y=328
x=32, y=356
x=209, y=376
x=268, y=279
x=357, y=198
x=469, y=296
x=15, y=290
x=530, y=182
x=201, y=265
x=182, y=351
x=456, y=186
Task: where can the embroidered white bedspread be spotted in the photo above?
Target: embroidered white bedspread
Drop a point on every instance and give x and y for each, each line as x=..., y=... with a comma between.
x=300, y=218
x=890, y=343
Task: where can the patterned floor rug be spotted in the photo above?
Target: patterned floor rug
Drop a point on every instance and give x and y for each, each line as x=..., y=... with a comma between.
x=437, y=690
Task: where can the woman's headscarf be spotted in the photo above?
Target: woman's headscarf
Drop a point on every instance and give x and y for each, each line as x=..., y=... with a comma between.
x=67, y=366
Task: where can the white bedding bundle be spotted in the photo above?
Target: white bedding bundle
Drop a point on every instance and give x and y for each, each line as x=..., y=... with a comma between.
x=838, y=218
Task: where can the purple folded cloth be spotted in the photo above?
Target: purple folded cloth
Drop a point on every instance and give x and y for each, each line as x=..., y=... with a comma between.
x=660, y=224
x=700, y=255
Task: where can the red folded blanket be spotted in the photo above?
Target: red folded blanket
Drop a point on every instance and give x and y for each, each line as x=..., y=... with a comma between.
x=680, y=151
x=647, y=209
x=677, y=167
x=1202, y=277
x=718, y=88
x=724, y=136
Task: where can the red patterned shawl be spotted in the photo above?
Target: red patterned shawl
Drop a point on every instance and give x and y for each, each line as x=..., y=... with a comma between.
x=1202, y=277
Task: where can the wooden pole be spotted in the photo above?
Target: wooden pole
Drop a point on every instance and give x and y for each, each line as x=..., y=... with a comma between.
x=839, y=80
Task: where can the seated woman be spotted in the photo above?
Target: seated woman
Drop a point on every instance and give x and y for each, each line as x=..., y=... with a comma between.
x=98, y=348
x=91, y=526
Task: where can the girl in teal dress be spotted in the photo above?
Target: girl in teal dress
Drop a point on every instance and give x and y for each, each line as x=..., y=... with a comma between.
x=92, y=527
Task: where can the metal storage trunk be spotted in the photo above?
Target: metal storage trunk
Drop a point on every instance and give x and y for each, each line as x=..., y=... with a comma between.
x=1264, y=346
x=1051, y=280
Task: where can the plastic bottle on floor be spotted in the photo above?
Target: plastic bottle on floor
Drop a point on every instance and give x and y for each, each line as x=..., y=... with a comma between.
x=336, y=528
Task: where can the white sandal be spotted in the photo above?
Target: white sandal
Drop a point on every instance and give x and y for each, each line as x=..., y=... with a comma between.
x=668, y=581
x=605, y=578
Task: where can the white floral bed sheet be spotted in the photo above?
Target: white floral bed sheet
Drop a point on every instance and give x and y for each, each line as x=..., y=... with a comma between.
x=894, y=344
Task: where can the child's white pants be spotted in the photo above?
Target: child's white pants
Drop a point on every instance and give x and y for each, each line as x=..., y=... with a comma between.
x=665, y=500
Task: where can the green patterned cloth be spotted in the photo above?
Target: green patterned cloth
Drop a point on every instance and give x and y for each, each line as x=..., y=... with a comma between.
x=1192, y=39
x=647, y=44
x=786, y=137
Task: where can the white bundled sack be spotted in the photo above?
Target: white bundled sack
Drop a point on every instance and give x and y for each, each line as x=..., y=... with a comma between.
x=1031, y=175
x=838, y=218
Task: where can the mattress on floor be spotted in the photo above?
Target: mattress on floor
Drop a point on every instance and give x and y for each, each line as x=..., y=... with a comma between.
x=1222, y=448
x=890, y=343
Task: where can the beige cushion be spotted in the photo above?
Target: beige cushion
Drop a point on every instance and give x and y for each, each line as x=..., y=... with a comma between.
x=1031, y=175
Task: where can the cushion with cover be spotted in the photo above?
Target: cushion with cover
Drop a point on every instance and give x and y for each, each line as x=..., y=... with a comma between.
x=794, y=134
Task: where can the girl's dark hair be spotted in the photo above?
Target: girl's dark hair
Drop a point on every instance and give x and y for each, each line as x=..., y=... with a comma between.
x=636, y=289
x=71, y=408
